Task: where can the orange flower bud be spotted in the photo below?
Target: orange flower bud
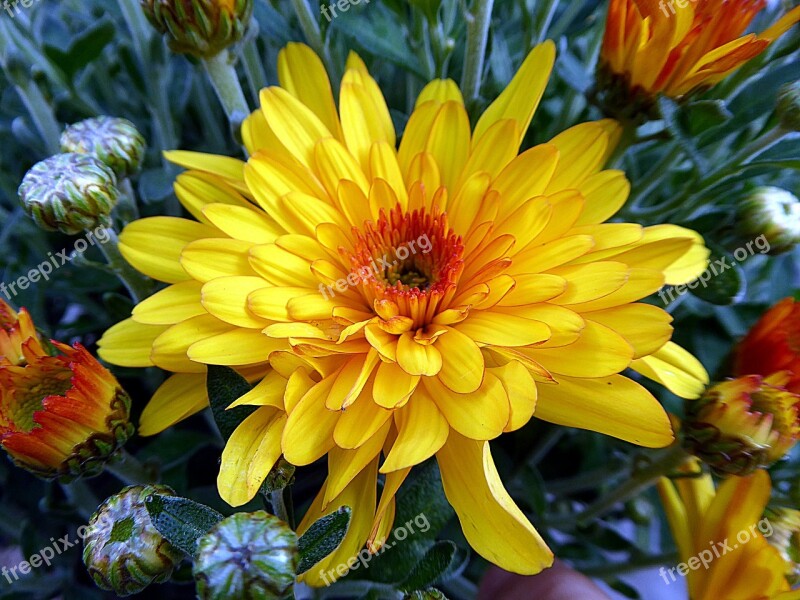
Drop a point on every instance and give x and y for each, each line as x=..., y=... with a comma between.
x=743, y=424
x=60, y=416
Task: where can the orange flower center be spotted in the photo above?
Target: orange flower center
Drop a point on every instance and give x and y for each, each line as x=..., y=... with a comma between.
x=413, y=260
x=29, y=387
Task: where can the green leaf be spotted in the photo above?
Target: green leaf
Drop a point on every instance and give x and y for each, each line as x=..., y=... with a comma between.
x=180, y=520
x=438, y=564
x=322, y=538
x=224, y=387
x=704, y=115
x=84, y=49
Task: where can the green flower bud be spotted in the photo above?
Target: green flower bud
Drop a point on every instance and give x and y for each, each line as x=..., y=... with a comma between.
x=774, y=213
x=122, y=550
x=788, y=106
x=116, y=142
x=246, y=557
x=202, y=28
x=69, y=193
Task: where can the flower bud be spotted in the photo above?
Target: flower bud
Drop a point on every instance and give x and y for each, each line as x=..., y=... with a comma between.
x=115, y=142
x=202, y=28
x=774, y=213
x=772, y=345
x=785, y=523
x=123, y=550
x=788, y=106
x=246, y=557
x=69, y=193
x=60, y=416
x=743, y=424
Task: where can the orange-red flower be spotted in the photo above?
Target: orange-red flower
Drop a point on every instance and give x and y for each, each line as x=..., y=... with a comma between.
x=62, y=415
x=773, y=344
x=674, y=47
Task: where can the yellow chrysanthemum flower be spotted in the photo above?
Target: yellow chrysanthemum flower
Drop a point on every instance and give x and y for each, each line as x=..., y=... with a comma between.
x=412, y=302
x=721, y=540
x=677, y=46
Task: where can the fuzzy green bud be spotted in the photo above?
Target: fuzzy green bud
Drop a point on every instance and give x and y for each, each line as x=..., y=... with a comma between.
x=123, y=550
x=429, y=594
x=116, y=142
x=247, y=556
x=69, y=193
x=202, y=28
x=788, y=106
x=774, y=213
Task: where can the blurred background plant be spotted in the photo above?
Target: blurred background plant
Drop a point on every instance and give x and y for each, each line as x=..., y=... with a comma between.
x=700, y=164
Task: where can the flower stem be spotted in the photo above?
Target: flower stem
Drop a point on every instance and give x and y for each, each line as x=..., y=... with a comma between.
x=125, y=467
x=310, y=27
x=478, y=21
x=642, y=479
x=138, y=286
x=81, y=497
x=41, y=115
x=222, y=72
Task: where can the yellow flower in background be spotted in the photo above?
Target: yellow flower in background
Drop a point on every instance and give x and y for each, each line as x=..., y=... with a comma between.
x=411, y=301
x=720, y=536
x=677, y=46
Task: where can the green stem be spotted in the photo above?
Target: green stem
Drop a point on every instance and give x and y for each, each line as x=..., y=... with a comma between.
x=656, y=176
x=253, y=68
x=125, y=467
x=670, y=460
x=611, y=570
x=81, y=497
x=478, y=21
x=278, y=502
x=127, y=206
x=626, y=140
x=221, y=71
x=137, y=285
x=41, y=114
x=544, y=444
x=585, y=481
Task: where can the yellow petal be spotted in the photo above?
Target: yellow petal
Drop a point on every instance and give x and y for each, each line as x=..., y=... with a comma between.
x=302, y=74
x=521, y=390
x=582, y=150
x=481, y=415
x=229, y=169
x=171, y=305
x=237, y=347
x=493, y=525
x=267, y=392
x=171, y=347
x=226, y=299
x=365, y=116
x=605, y=193
x=208, y=259
x=498, y=329
x=360, y=496
x=421, y=432
x=128, y=343
x=196, y=190
x=249, y=455
x=525, y=177
x=295, y=125
x=178, y=398
x=417, y=359
x=676, y=369
x=359, y=422
x=448, y=142
x=154, y=245
x=591, y=281
x=345, y=465
x=644, y=326
x=614, y=406
x=242, y=223
x=393, y=386
x=309, y=431
x=462, y=361
x=522, y=95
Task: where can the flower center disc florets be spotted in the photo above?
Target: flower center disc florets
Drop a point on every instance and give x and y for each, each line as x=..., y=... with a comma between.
x=412, y=259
